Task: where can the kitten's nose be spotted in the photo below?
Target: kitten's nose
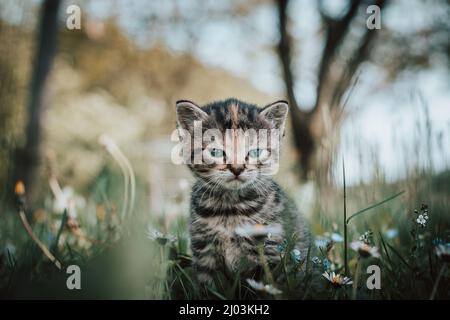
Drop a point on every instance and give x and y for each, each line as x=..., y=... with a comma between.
x=236, y=170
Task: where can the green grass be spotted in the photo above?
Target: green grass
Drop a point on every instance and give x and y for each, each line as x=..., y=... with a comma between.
x=118, y=260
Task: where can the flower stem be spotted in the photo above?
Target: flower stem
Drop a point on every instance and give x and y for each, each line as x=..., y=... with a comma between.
x=345, y=222
x=264, y=264
x=355, y=280
x=41, y=246
x=436, y=283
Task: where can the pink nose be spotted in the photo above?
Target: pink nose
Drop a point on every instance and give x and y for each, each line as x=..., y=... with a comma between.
x=236, y=170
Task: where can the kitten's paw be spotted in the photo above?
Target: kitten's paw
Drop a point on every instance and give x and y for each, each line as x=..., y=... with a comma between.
x=205, y=279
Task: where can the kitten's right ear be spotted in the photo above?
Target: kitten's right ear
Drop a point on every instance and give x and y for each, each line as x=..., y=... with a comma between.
x=188, y=112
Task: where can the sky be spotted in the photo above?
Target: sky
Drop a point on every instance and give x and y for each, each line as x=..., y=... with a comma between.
x=384, y=117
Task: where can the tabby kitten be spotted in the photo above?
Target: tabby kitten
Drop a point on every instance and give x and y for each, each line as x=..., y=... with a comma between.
x=234, y=202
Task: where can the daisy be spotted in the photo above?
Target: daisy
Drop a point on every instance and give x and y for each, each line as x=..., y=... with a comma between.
x=257, y=230
x=160, y=237
x=337, y=280
x=364, y=249
x=259, y=286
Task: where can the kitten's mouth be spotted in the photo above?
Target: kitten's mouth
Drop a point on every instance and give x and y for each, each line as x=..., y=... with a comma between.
x=235, y=181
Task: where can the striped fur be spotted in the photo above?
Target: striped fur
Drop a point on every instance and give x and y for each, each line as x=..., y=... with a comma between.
x=218, y=206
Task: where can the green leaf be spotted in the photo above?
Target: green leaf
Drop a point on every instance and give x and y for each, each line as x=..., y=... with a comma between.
x=214, y=292
x=188, y=278
x=399, y=256
x=375, y=205
x=383, y=243
x=58, y=235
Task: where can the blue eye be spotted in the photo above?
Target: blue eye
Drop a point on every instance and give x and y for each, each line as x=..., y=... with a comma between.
x=255, y=153
x=217, y=153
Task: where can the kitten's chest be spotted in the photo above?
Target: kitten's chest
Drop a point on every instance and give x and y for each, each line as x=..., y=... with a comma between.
x=229, y=246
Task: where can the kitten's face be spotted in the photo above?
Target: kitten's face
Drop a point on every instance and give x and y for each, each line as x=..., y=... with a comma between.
x=231, y=144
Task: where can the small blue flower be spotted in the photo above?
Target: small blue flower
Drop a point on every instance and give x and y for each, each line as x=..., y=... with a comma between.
x=437, y=241
x=391, y=233
x=326, y=264
x=296, y=256
x=282, y=246
x=336, y=237
x=321, y=243
x=443, y=252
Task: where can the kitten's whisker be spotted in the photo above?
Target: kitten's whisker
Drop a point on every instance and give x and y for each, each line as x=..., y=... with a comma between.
x=215, y=185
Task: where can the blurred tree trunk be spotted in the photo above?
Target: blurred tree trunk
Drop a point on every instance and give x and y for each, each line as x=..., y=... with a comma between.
x=28, y=156
x=316, y=131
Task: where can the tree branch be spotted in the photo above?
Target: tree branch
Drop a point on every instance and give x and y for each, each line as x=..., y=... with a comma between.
x=359, y=56
x=284, y=52
x=303, y=139
x=335, y=33
x=28, y=157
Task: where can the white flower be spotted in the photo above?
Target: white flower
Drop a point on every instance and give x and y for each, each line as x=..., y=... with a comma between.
x=336, y=237
x=366, y=237
x=257, y=230
x=364, y=249
x=68, y=200
x=337, y=280
x=443, y=251
x=316, y=260
x=322, y=242
x=422, y=219
x=259, y=286
x=160, y=237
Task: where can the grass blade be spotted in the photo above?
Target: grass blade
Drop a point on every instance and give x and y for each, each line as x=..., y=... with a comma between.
x=375, y=205
x=385, y=249
x=218, y=295
x=185, y=274
x=399, y=256
x=345, y=220
x=54, y=248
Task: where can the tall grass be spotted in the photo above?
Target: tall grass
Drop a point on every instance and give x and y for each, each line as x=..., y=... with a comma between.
x=116, y=264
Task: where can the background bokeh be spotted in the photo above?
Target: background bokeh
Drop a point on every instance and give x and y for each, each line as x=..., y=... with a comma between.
x=121, y=73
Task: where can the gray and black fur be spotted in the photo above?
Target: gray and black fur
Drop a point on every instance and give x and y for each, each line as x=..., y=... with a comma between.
x=220, y=204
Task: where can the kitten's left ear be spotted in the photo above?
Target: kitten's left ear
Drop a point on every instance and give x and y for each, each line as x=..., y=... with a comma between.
x=188, y=112
x=276, y=113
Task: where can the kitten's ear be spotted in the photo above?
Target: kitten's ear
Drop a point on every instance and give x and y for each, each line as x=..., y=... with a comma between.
x=188, y=112
x=276, y=113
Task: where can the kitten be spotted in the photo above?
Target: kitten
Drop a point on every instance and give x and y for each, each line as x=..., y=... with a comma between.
x=234, y=198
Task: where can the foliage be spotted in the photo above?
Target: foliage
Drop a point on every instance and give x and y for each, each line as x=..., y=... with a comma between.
x=125, y=260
